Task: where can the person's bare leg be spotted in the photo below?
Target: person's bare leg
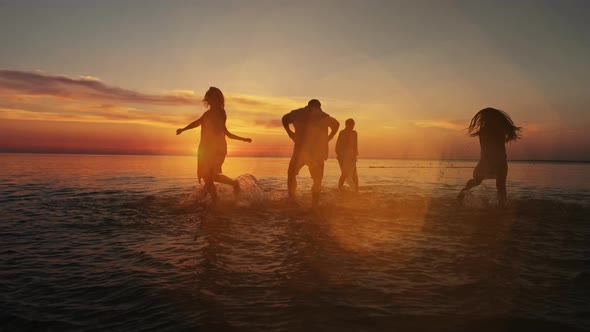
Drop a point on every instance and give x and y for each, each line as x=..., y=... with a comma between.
x=227, y=180
x=317, y=174
x=292, y=180
x=341, y=181
x=210, y=188
x=470, y=184
x=343, y=175
x=501, y=187
x=355, y=178
x=316, y=189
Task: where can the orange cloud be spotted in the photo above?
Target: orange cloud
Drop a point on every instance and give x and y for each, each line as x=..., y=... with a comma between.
x=273, y=123
x=37, y=84
x=113, y=114
x=52, y=113
x=449, y=125
x=42, y=97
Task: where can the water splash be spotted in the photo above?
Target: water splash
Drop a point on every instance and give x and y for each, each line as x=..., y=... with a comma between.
x=477, y=202
x=250, y=191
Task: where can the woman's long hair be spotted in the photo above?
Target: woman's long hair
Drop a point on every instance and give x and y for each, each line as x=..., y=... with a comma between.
x=496, y=121
x=214, y=98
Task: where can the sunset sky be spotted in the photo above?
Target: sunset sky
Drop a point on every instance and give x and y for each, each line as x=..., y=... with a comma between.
x=121, y=76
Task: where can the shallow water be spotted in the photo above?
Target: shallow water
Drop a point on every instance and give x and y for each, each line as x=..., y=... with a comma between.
x=124, y=243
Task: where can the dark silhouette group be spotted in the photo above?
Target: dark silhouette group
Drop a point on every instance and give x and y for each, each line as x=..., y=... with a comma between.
x=311, y=129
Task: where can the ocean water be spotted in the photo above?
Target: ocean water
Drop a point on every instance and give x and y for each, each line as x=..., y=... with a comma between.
x=124, y=243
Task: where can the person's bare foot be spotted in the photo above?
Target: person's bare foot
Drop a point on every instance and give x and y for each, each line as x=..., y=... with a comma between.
x=200, y=196
x=237, y=189
x=292, y=202
x=460, y=197
x=315, y=200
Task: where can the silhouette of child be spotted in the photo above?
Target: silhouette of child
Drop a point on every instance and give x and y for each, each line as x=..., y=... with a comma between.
x=213, y=146
x=346, y=153
x=494, y=128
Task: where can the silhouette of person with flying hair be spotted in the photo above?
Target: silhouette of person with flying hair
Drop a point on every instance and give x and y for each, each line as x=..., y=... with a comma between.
x=213, y=146
x=310, y=145
x=346, y=153
x=494, y=128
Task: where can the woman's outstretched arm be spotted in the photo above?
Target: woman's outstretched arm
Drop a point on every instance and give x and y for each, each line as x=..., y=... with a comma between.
x=239, y=138
x=192, y=125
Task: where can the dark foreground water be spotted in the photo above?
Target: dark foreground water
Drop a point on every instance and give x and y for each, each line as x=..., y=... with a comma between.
x=95, y=243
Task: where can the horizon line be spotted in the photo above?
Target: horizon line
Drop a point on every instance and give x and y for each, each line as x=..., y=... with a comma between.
x=277, y=156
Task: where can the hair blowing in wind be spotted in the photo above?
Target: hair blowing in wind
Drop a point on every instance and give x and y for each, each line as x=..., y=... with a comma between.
x=494, y=120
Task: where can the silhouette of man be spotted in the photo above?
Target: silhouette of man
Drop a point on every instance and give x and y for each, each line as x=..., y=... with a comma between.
x=311, y=145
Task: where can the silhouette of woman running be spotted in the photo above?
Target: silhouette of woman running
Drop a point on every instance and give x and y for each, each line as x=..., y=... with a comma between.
x=213, y=146
x=494, y=128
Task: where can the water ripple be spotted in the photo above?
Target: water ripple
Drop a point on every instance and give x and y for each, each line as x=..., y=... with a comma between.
x=159, y=259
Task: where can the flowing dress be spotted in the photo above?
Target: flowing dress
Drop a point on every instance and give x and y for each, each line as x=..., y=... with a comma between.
x=213, y=146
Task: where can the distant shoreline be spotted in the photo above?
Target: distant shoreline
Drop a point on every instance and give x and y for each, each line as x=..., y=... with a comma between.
x=286, y=157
